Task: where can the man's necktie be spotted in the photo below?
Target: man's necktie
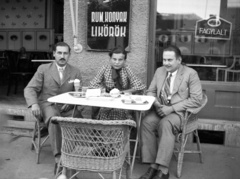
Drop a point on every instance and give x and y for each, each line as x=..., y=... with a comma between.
x=61, y=74
x=167, y=85
x=165, y=96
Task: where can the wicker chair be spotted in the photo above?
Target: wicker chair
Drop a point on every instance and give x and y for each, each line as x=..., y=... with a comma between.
x=189, y=126
x=95, y=145
x=38, y=141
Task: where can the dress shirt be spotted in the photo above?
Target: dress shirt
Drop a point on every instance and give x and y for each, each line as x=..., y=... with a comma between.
x=60, y=71
x=172, y=80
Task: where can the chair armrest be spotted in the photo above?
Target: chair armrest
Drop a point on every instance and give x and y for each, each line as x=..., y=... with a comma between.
x=194, y=110
x=203, y=103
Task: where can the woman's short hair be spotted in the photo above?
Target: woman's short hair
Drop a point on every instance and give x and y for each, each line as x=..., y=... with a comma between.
x=175, y=49
x=118, y=50
x=61, y=44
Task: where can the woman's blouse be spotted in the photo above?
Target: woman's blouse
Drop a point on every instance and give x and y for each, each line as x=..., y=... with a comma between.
x=105, y=79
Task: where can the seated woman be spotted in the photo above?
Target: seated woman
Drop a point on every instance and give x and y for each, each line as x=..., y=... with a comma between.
x=116, y=74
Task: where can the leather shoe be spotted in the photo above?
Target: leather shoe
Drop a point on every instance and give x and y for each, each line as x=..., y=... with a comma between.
x=151, y=172
x=160, y=175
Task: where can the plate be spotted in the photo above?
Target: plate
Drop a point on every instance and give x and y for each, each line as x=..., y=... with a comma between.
x=135, y=103
x=77, y=94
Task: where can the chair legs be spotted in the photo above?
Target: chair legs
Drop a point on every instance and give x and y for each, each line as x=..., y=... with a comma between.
x=9, y=84
x=181, y=151
x=14, y=81
x=198, y=145
x=128, y=166
x=62, y=171
x=37, y=141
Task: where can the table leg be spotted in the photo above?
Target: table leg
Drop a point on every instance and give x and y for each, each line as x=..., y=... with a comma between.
x=138, y=121
x=74, y=109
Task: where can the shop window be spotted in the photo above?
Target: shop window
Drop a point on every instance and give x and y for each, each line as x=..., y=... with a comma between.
x=176, y=23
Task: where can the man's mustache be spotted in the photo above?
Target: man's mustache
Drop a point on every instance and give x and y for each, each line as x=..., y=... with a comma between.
x=62, y=59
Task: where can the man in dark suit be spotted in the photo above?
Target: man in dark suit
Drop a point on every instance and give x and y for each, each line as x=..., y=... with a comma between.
x=176, y=88
x=50, y=80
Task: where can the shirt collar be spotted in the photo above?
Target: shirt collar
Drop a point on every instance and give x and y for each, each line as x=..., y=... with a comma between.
x=173, y=74
x=62, y=68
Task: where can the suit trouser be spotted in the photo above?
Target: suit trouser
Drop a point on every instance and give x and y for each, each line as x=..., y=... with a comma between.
x=54, y=129
x=158, y=137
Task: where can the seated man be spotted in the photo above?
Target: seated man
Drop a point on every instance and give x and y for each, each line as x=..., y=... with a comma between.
x=50, y=80
x=176, y=88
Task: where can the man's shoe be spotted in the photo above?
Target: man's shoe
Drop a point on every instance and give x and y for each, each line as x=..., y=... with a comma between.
x=149, y=174
x=160, y=175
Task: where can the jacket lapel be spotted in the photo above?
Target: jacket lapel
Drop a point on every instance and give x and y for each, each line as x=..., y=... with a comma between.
x=66, y=74
x=178, y=79
x=54, y=73
x=161, y=80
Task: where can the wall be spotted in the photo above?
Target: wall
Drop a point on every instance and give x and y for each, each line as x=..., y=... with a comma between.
x=22, y=14
x=31, y=39
x=223, y=101
x=89, y=61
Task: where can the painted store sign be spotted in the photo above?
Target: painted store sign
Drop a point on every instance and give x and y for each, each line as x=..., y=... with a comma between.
x=108, y=24
x=213, y=28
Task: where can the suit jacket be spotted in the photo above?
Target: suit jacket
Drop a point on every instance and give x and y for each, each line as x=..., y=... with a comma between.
x=46, y=83
x=187, y=89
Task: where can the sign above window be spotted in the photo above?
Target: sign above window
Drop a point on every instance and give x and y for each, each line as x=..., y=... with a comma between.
x=213, y=28
x=108, y=24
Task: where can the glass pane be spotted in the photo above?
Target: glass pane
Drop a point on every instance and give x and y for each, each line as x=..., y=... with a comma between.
x=177, y=23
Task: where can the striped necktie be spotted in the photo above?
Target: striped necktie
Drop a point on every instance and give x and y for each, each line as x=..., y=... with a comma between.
x=167, y=85
x=165, y=95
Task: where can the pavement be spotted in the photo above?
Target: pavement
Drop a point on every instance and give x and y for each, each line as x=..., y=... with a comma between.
x=17, y=161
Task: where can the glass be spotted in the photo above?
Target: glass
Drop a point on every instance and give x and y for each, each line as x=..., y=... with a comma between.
x=103, y=91
x=84, y=90
x=177, y=23
x=127, y=97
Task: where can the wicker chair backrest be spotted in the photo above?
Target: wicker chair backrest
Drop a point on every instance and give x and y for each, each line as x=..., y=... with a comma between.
x=94, y=145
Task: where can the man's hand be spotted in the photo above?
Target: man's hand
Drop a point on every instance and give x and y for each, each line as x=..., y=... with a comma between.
x=158, y=107
x=157, y=104
x=36, y=111
x=164, y=110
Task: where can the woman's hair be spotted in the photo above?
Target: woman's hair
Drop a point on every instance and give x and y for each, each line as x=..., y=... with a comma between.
x=62, y=44
x=118, y=50
x=175, y=49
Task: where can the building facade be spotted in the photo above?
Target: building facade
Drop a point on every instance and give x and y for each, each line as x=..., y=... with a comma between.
x=207, y=32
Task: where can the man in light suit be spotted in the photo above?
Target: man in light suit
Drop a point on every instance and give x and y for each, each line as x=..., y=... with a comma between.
x=50, y=80
x=162, y=123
